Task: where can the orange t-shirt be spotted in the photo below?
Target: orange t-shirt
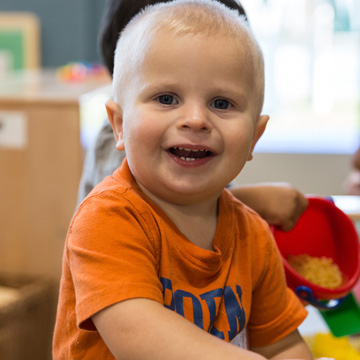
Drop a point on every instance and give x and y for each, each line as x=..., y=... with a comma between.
x=121, y=245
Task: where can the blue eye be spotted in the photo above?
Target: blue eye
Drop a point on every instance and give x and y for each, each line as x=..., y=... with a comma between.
x=166, y=99
x=221, y=104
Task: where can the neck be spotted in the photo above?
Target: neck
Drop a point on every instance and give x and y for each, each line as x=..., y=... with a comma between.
x=196, y=221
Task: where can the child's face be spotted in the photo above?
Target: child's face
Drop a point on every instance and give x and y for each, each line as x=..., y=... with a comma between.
x=187, y=118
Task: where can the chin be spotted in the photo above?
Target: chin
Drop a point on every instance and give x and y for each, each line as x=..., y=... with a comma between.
x=182, y=192
x=191, y=196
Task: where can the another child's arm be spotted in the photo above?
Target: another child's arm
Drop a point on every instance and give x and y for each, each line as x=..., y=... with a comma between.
x=278, y=203
x=139, y=329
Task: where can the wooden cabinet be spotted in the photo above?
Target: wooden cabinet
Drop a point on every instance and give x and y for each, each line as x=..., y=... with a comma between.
x=41, y=160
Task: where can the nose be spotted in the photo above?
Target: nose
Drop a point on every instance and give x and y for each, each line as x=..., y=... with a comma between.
x=195, y=116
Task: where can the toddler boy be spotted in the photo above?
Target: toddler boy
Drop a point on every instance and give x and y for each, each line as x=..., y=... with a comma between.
x=161, y=262
x=280, y=204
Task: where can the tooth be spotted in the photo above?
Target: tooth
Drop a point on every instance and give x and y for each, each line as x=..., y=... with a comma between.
x=182, y=158
x=186, y=149
x=180, y=148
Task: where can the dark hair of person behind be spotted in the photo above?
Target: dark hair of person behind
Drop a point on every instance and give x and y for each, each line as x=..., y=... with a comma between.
x=118, y=13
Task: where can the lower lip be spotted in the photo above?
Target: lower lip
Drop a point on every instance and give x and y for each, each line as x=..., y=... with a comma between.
x=191, y=164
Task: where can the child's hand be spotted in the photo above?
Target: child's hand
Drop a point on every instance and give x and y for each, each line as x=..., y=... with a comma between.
x=351, y=185
x=284, y=205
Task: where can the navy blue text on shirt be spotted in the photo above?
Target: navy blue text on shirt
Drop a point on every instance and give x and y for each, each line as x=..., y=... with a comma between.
x=174, y=300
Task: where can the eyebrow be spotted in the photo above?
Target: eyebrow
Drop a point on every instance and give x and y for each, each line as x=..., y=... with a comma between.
x=159, y=86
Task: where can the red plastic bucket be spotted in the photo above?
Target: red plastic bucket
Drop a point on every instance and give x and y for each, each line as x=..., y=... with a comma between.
x=322, y=230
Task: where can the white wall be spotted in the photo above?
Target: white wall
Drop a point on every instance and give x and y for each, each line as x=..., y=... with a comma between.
x=310, y=173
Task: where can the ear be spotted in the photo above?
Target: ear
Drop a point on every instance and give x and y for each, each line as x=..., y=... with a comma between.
x=114, y=113
x=259, y=130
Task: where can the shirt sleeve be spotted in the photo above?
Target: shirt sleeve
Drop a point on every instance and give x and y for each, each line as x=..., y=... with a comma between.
x=111, y=256
x=275, y=311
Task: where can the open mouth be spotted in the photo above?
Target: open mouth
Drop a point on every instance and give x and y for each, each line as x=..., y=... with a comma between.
x=190, y=154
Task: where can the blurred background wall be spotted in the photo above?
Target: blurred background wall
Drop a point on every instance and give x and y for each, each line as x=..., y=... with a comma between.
x=68, y=28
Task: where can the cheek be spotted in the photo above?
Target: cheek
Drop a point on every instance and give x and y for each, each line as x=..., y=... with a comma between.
x=240, y=139
x=140, y=132
x=132, y=125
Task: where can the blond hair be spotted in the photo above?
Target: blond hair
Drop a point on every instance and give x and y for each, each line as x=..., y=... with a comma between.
x=182, y=17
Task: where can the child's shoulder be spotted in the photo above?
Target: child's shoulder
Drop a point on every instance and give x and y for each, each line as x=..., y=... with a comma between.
x=112, y=204
x=110, y=188
x=113, y=192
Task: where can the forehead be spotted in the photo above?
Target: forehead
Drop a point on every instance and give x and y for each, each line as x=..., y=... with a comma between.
x=197, y=52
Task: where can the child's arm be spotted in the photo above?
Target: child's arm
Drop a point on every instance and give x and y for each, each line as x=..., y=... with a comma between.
x=290, y=347
x=278, y=203
x=140, y=329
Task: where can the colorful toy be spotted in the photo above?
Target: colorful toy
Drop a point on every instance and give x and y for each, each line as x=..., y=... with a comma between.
x=81, y=71
x=326, y=345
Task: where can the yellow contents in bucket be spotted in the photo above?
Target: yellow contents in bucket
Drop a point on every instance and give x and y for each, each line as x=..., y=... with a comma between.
x=319, y=270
